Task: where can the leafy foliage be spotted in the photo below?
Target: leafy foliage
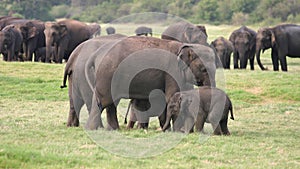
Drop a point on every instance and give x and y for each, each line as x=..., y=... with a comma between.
x=207, y=11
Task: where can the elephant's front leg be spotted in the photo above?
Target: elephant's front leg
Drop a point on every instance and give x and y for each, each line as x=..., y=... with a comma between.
x=112, y=119
x=275, y=61
x=236, y=60
x=252, y=63
x=283, y=63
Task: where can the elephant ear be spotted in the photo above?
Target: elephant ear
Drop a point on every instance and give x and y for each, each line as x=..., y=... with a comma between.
x=63, y=30
x=183, y=57
x=273, y=38
x=188, y=34
x=32, y=31
x=202, y=29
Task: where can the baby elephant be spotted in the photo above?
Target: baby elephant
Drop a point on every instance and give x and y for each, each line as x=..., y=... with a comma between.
x=197, y=106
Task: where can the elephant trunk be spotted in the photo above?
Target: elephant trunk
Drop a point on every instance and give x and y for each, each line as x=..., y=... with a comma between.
x=167, y=123
x=129, y=104
x=49, y=42
x=258, y=49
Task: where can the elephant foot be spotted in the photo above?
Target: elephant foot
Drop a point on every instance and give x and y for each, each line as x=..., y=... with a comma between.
x=73, y=122
x=130, y=124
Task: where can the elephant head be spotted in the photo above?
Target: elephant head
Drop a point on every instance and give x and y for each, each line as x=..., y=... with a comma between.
x=203, y=68
x=6, y=41
x=54, y=34
x=265, y=39
x=195, y=34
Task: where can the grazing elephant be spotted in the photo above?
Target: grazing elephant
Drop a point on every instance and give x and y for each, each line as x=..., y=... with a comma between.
x=33, y=37
x=185, y=32
x=283, y=40
x=80, y=92
x=110, y=30
x=64, y=36
x=143, y=30
x=10, y=43
x=224, y=48
x=195, y=107
x=243, y=40
x=176, y=66
x=95, y=29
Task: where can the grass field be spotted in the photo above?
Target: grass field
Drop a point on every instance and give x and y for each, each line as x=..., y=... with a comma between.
x=265, y=132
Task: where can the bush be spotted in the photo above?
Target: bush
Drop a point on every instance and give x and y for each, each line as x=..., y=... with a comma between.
x=59, y=11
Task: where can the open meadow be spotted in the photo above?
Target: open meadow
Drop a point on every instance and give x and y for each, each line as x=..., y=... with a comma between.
x=264, y=134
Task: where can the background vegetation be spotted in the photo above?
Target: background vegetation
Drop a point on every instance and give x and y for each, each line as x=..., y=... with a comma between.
x=265, y=132
x=197, y=11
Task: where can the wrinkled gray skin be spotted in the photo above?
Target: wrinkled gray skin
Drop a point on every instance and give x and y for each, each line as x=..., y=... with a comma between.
x=65, y=36
x=143, y=30
x=10, y=43
x=185, y=32
x=191, y=64
x=95, y=29
x=195, y=107
x=224, y=48
x=243, y=40
x=80, y=92
x=283, y=40
x=110, y=30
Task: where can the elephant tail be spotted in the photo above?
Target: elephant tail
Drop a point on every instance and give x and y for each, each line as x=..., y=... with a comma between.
x=67, y=73
x=231, y=109
x=129, y=104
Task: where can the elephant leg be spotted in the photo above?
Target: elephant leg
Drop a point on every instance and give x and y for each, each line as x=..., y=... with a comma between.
x=200, y=122
x=227, y=62
x=252, y=63
x=132, y=118
x=275, y=63
x=143, y=125
x=162, y=118
x=94, y=121
x=217, y=129
x=112, y=119
x=283, y=63
x=243, y=62
x=73, y=119
x=235, y=59
x=224, y=127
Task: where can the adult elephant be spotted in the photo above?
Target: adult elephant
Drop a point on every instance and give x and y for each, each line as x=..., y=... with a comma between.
x=283, y=40
x=243, y=40
x=80, y=92
x=186, y=32
x=10, y=43
x=224, y=48
x=33, y=37
x=65, y=36
x=143, y=30
x=136, y=66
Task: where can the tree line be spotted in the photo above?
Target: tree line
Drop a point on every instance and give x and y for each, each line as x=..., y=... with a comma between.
x=197, y=11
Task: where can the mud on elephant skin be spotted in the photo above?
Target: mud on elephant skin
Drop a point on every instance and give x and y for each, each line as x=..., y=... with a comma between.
x=80, y=92
x=283, y=41
x=195, y=107
x=191, y=64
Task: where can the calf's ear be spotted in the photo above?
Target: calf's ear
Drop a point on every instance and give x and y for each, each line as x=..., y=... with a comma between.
x=183, y=57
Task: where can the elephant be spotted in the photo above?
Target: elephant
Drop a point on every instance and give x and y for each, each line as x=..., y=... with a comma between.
x=95, y=29
x=176, y=66
x=9, y=20
x=243, y=40
x=186, y=32
x=143, y=30
x=197, y=106
x=65, y=36
x=40, y=54
x=82, y=59
x=110, y=30
x=10, y=43
x=33, y=37
x=224, y=48
x=283, y=40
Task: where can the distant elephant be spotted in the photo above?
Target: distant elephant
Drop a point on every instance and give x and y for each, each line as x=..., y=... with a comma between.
x=40, y=54
x=143, y=30
x=10, y=43
x=185, y=32
x=95, y=29
x=283, y=40
x=243, y=40
x=84, y=58
x=64, y=36
x=9, y=20
x=191, y=64
x=110, y=30
x=33, y=37
x=195, y=107
x=224, y=48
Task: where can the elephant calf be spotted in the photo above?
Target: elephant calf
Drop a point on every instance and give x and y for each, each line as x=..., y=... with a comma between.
x=197, y=106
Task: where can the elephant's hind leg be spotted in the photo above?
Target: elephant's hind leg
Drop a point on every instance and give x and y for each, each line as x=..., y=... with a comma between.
x=112, y=119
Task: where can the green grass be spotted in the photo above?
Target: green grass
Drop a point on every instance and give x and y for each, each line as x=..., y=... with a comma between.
x=265, y=132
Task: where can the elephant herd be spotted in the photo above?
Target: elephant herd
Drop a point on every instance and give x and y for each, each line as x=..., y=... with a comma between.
x=157, y=74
